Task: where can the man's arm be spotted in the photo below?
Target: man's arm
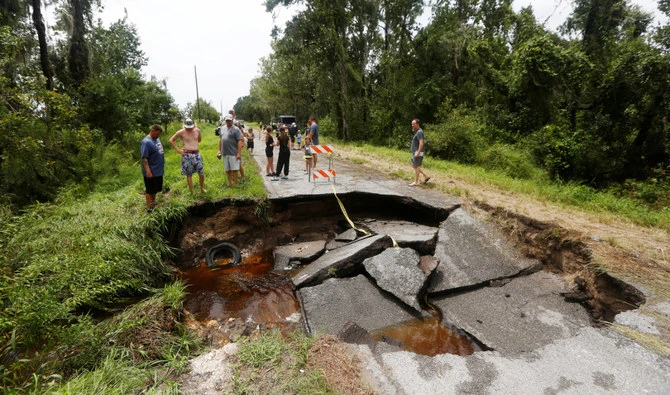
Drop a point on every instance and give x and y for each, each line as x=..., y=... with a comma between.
x=147, y=169
x=420, y=149
x=240, y=145
x=199, y=135
x=173, y=141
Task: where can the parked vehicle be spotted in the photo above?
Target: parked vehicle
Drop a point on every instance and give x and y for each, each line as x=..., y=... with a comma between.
x=285, y=120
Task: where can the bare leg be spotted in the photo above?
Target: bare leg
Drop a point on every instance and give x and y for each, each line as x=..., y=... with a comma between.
x=189, y=181
x=425, y=176
x=233, y=176
x=241, y=170
x=201, y=178
x=150, y=200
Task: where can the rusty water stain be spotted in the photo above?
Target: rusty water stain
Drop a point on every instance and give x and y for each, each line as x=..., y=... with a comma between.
x=250, y=291
x=426, y=337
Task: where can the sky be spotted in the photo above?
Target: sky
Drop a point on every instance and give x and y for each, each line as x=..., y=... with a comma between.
x=224, y=41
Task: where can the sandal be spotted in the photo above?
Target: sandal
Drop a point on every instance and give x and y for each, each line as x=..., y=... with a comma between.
x=426, y=180
x=414, y=184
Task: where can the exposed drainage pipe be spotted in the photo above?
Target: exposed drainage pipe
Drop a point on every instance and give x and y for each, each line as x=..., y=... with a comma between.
x=211, y=253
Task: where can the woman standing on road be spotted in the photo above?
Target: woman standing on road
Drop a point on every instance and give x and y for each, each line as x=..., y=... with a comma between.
x=269, y=147
x=284, y=153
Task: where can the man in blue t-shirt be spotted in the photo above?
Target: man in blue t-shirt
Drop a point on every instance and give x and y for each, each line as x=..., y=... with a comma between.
x=418, y=148
x=153, y=163
x=313, y=133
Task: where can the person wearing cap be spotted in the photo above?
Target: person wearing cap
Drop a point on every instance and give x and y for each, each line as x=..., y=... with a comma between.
x=292, y=131
x=230, y=147
x=153, y=165
x=237, y=123
x=191, y=159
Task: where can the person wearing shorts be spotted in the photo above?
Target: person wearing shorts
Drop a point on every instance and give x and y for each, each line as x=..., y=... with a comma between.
x=269, y=155
x=230, y=147
x=313, y=133
x=153, y=165
x=191, y=160
x=250, y=140
x=418, y=148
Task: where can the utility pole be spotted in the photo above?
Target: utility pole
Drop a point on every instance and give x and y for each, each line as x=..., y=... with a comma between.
x=197, y=95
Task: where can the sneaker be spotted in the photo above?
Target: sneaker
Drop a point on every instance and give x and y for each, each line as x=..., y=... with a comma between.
x=305, y=172
x=284, y=178
x=150, y=210
x=413, y=184
x=274, y=179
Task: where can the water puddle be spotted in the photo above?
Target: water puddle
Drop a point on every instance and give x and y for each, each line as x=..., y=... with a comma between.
x=427, y=337
x=250, y=291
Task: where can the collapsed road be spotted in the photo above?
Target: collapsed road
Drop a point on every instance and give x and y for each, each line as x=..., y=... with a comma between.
x=525, y=322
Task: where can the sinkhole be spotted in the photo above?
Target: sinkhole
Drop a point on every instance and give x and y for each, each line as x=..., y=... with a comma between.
x=302, y=264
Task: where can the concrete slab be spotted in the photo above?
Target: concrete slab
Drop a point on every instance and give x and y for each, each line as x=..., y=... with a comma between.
x=594, y=361
x=330, y=306
x=407, y=234
x=472, y=252
x=301, y=252
x=347, y=236
x=342, y=261
x=396, y=270
x=519, y=317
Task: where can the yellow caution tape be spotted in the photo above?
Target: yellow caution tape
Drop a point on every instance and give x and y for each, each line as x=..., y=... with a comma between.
x=344, y=211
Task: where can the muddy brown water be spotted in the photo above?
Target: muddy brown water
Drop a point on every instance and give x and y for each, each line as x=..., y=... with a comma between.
x=250, y=291
x=253, y=292
x=427, y=337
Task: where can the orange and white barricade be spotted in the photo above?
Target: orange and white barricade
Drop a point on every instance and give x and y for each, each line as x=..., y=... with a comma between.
x=317, y=174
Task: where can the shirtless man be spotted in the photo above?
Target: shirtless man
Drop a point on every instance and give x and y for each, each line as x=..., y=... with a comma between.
x=191, y=160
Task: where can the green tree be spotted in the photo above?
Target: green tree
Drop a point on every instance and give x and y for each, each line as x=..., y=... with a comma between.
x=202, y=110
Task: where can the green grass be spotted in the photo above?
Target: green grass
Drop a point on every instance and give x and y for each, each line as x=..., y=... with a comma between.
x=276, y=364
x=572, y=195
x=68, y=263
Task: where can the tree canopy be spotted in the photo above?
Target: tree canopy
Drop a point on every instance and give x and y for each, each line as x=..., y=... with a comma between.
x=67, y=93
x=587, y=104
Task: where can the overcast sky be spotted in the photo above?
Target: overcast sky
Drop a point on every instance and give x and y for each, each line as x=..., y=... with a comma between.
x=225, y=39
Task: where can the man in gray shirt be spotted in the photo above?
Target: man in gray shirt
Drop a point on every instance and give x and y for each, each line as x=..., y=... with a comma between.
x=418, y=148
x=230, y=146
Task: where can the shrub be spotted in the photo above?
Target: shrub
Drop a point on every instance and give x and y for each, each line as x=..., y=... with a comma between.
x=458, y=138
x=510, y=161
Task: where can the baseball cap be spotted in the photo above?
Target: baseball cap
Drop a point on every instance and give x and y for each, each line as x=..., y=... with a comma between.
x=228, y=117
x=188, y=123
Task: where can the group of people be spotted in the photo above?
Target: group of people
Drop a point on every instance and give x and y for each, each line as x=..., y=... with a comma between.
x=231, y=144
x=286, y=141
